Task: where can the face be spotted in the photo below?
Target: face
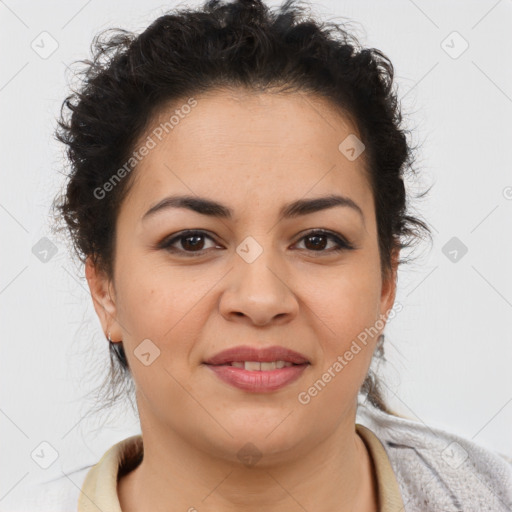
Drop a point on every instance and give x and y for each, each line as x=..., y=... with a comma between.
x=254, y=278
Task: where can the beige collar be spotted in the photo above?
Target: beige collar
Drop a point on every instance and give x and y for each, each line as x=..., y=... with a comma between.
x=390, y=499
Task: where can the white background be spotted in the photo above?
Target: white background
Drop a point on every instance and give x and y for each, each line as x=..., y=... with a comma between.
x=449, y=349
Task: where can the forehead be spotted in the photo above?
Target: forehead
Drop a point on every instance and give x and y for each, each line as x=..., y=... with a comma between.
x=237, y=146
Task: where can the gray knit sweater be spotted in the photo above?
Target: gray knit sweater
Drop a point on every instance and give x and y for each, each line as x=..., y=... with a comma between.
x=438, y=471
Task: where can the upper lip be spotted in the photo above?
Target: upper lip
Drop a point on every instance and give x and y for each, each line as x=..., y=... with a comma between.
x=259, y=354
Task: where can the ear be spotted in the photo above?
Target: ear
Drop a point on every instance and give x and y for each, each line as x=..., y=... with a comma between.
x=388, y=293
x=103, y=297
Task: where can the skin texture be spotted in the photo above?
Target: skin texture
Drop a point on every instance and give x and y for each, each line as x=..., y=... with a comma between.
x=253, y=153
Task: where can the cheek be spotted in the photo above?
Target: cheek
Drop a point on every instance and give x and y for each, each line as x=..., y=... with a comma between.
x=162, y=304
x=147, y=296
x=347, y=313
x=347, y=336
x=348, y=302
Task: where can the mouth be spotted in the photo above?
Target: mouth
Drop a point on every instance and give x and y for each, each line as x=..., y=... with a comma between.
x=258, y=370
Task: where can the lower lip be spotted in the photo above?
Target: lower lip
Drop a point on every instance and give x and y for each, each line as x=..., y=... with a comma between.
x=258, y=381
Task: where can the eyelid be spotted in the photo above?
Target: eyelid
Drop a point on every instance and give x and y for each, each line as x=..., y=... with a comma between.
x=342, y=243
x=333, y=235
x=168, y=241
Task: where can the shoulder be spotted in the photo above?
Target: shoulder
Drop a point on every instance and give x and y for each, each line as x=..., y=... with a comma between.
x=59, y=494
x=439, y=470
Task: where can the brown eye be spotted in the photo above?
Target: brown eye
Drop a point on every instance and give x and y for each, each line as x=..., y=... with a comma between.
x=190, y=242
x=316, y=241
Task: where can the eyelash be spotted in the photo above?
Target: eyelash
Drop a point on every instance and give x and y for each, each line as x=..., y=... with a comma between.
x=342, y=244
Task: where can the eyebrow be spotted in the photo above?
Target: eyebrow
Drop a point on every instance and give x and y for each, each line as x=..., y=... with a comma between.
x=212, y=208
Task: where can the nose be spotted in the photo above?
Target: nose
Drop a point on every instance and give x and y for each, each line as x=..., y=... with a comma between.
x=258, y=293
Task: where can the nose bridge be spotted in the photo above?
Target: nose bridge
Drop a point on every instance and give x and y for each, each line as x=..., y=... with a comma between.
x=258, y=287
x=257, y=261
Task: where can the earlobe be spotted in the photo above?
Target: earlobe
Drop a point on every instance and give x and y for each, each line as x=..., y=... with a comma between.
x=102, y=296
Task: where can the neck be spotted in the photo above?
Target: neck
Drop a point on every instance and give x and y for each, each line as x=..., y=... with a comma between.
x=337, y=475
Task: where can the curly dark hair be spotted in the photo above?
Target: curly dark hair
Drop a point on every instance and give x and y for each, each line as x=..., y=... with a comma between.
x=242, y=44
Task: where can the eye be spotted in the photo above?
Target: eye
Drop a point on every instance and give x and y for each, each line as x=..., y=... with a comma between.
x=192, y=241
x=315, y=241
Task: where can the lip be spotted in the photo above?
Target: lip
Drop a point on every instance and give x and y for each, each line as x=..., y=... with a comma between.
x=258, y=354
x=258, y=381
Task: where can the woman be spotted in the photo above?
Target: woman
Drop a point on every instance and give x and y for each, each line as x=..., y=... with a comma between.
x=236, y=195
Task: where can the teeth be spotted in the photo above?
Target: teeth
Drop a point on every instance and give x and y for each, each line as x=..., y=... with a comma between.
x=252, y=365
x=255, y=365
